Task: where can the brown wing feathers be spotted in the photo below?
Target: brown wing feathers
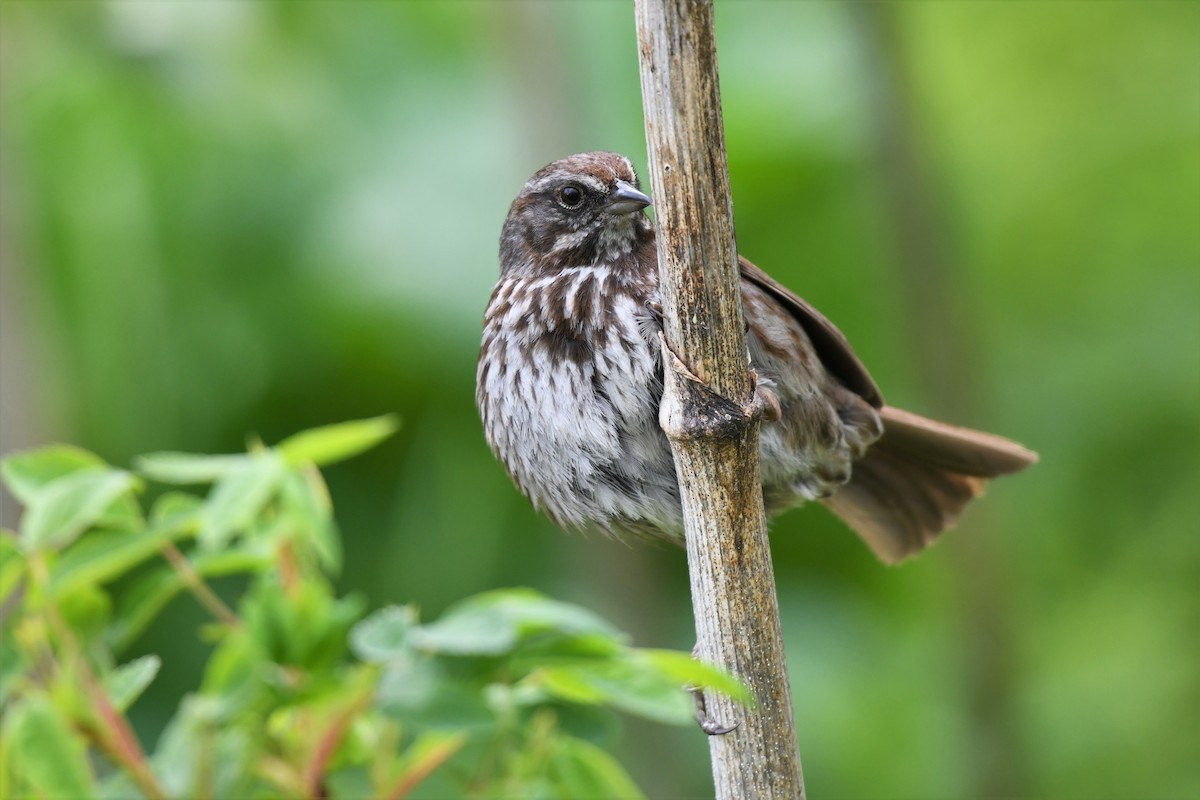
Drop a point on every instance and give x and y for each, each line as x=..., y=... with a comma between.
x=831, y=345
x=915, y=481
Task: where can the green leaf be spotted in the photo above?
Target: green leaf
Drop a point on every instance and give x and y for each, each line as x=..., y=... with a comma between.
x=64, y=508
x=105, y=555
x=303, y=625
x=305, y=501
x=493, y=623
x=177, y=761
x=383, y=636
x=422, y=694
x=14, y=672
x=48, y=755
x=404, y=687
x=138, y=605
x=580, y=769
x=87, y=611
x=353, y=783
x=467, y=632
x=187, y=468
x=26, y=472
x=333, y=443
x=12, y=562
x=147, y=596
x=593, y=723
x=686, y=670
x=533, y=612
x=197, y=756
x=233, y=676
x=636, y=690
x=545, y=651
x=118, y=786
x=566, y=684
x=431, y=750
x=238, y=497
x=123, y=514
x=629, y=685
x=174, y=508
x=126, y=683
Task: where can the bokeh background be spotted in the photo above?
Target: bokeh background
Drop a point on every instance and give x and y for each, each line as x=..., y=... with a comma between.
x=223, y=218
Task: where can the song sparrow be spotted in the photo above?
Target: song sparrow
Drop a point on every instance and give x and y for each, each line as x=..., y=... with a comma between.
x=570, y=378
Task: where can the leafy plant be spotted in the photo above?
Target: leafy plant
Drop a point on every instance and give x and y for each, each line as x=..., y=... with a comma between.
x=508, y=693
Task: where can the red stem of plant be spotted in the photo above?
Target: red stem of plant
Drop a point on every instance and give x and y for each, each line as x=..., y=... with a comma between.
x=115, y=736
x=123, y=744
x=436, y=757
x=315, y=774
x=196, y=585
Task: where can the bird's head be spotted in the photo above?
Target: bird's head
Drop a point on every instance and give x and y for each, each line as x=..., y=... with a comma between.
x=578, y=211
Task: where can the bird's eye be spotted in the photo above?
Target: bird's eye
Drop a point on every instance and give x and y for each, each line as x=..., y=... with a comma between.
x=571, y=196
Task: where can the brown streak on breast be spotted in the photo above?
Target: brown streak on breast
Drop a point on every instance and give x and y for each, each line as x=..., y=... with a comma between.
x=564, y=345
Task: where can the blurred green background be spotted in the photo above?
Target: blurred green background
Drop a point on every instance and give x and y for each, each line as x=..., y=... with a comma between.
x=232, y=217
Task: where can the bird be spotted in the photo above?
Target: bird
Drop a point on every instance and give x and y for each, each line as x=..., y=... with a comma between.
x=570, y=379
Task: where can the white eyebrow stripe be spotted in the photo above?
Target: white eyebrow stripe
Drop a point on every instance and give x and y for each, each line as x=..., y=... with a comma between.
x=593, y=183
x=557, y=177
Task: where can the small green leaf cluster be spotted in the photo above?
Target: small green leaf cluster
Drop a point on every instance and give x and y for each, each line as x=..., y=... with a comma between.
x=305, y=694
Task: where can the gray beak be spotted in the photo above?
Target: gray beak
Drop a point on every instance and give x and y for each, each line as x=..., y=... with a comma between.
x=625, y=199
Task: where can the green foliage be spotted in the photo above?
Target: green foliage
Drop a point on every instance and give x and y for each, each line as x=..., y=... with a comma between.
x=53, y=759
x=302, y=695
x=221, y=217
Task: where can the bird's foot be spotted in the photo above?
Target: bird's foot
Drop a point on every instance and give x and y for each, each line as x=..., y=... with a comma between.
x=707, y=724
x=766, y=402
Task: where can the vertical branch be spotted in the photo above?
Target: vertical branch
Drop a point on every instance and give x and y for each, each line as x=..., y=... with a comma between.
x=709, y=411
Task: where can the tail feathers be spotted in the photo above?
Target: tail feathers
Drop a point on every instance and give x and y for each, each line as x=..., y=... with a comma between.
x=915, y=481
x=974, y=453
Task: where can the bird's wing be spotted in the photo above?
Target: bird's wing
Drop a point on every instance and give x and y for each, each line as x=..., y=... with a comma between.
x=831, y=345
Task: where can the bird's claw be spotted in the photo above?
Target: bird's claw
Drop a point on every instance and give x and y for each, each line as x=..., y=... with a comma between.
x=765, y=401
x=707, y=724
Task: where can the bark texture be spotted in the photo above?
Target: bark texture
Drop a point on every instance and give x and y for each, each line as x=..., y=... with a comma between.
x=709, y=410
